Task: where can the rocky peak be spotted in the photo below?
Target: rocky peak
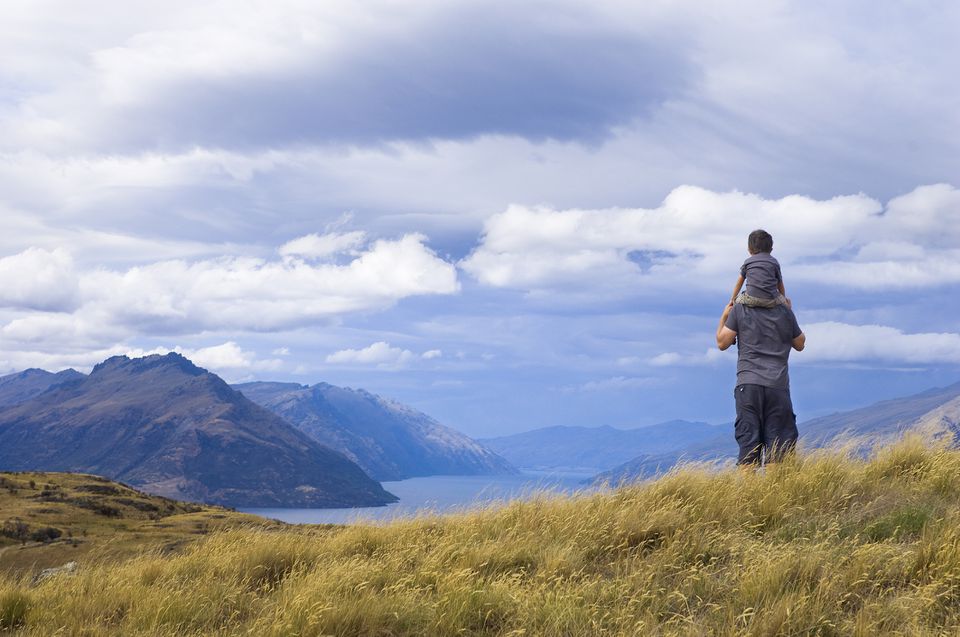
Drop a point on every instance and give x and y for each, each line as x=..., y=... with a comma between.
x=172, y=361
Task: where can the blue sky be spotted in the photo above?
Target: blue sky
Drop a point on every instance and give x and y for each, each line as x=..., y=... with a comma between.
x=509, y=215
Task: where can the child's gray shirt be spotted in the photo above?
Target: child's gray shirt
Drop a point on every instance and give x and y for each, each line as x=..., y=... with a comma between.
x=762, y=273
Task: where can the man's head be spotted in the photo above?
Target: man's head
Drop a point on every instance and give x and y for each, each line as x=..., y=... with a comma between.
x=759, y=241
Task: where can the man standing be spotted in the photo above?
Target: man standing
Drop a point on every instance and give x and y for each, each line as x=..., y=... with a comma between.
x=766, y=426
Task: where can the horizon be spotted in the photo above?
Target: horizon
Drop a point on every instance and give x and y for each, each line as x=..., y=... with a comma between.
x=524, y=431
x=505, y=216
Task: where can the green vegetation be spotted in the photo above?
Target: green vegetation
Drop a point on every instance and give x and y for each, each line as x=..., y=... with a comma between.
x=48, y=519
x=823, y=544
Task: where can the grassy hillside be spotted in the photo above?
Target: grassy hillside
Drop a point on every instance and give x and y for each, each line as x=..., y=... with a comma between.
x=825, y=544
x=48, y=519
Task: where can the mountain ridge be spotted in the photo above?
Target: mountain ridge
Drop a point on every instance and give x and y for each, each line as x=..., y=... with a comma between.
x=580, y=448
x=935, y=410
x=172, y=428
x=390, y=440
x=24, y=385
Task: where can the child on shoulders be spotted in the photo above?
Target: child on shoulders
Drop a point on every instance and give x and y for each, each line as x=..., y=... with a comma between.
x=761, y=273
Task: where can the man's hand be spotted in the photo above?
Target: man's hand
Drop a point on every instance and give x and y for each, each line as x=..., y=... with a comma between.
x=800, y=342
x=725, y=336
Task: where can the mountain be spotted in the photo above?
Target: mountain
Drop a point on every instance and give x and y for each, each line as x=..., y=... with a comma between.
x=389, y=440
x=170, y=428
x=595, y=448
x=24, y=385
x=936, y=411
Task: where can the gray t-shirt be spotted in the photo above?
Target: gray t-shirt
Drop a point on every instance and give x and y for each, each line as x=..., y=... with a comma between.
x=764, y=340
x=762, y=273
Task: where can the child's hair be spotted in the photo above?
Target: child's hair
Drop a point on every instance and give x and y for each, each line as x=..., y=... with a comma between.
x=759, y=241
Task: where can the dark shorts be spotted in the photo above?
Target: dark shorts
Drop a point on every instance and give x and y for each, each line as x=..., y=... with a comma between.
x=765, y=423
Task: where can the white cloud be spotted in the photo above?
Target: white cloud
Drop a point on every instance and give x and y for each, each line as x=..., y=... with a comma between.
x=39, y=279
x=229, y=356
x=617, y=383
x=696, y=240
x=833, y=341
x=431, y=354
x=241, y=293
x=317, y=246
x=381, y=354
x=710, y=356
x=666, y=359
x=225, y=358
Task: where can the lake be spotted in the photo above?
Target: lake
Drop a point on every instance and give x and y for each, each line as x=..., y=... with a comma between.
x=438, y=494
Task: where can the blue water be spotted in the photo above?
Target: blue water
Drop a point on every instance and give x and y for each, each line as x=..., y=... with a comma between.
x=437, y=494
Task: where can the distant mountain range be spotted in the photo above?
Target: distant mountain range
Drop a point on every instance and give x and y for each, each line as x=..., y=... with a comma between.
x=595, y=449
x=171, y=428
x=17, y=388
x=389, y=440
x=935, y=411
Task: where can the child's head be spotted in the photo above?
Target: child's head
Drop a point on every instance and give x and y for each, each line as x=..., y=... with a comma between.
x=759, y=241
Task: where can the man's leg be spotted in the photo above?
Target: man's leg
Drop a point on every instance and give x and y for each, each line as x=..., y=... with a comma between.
x=779, y=428
x=749, y=401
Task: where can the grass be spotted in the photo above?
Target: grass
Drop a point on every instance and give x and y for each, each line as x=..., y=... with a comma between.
x=48, y=519
x=824, y=544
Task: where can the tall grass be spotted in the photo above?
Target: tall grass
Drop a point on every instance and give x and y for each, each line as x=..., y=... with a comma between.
x=822, y=544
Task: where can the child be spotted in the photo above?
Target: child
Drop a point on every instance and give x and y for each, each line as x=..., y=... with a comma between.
x=761, y=273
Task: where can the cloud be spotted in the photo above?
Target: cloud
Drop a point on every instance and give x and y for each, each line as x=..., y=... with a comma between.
x=431, y=354
x=317, y=246
x=666, y=359
x=617, y=384
x=695, y=240
x=38, y=279
x=241, y=293
x=293, y=73
x=832, y=341
x=225, y=358
x=380, y=354
x=710, y=356
x=229, y=356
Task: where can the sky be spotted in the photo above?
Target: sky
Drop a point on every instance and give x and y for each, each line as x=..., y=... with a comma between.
x=507, y=215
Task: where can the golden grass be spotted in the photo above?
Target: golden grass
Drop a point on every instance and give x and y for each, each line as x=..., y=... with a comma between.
x=824, y=544
x=94, y=517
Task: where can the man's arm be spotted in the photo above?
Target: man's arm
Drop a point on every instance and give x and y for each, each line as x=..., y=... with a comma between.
x=799, y=342
x=725, y=336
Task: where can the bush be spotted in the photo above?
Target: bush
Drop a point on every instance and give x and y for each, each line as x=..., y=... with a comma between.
x=16, y=529
x=45, y=534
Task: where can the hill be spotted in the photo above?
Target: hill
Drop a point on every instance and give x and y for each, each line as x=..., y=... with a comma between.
x=827, y=544
x=16, y=388
x=49, y=519
x=934, y=410
x=595, y=448
x=170, y=428
x=389, y=440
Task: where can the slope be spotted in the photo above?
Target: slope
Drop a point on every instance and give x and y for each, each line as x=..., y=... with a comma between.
x=595, y=448
x=389, y=440
x=935, y=411
x=171, y=428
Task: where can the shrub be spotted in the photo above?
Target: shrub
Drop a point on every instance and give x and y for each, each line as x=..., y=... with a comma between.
x=15, y=529
x=45, y=534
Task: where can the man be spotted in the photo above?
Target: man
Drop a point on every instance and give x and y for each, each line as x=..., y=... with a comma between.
x=766, y=427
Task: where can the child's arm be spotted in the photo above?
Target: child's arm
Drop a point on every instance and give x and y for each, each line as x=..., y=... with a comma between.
x=736, y=288
x=783, y=292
